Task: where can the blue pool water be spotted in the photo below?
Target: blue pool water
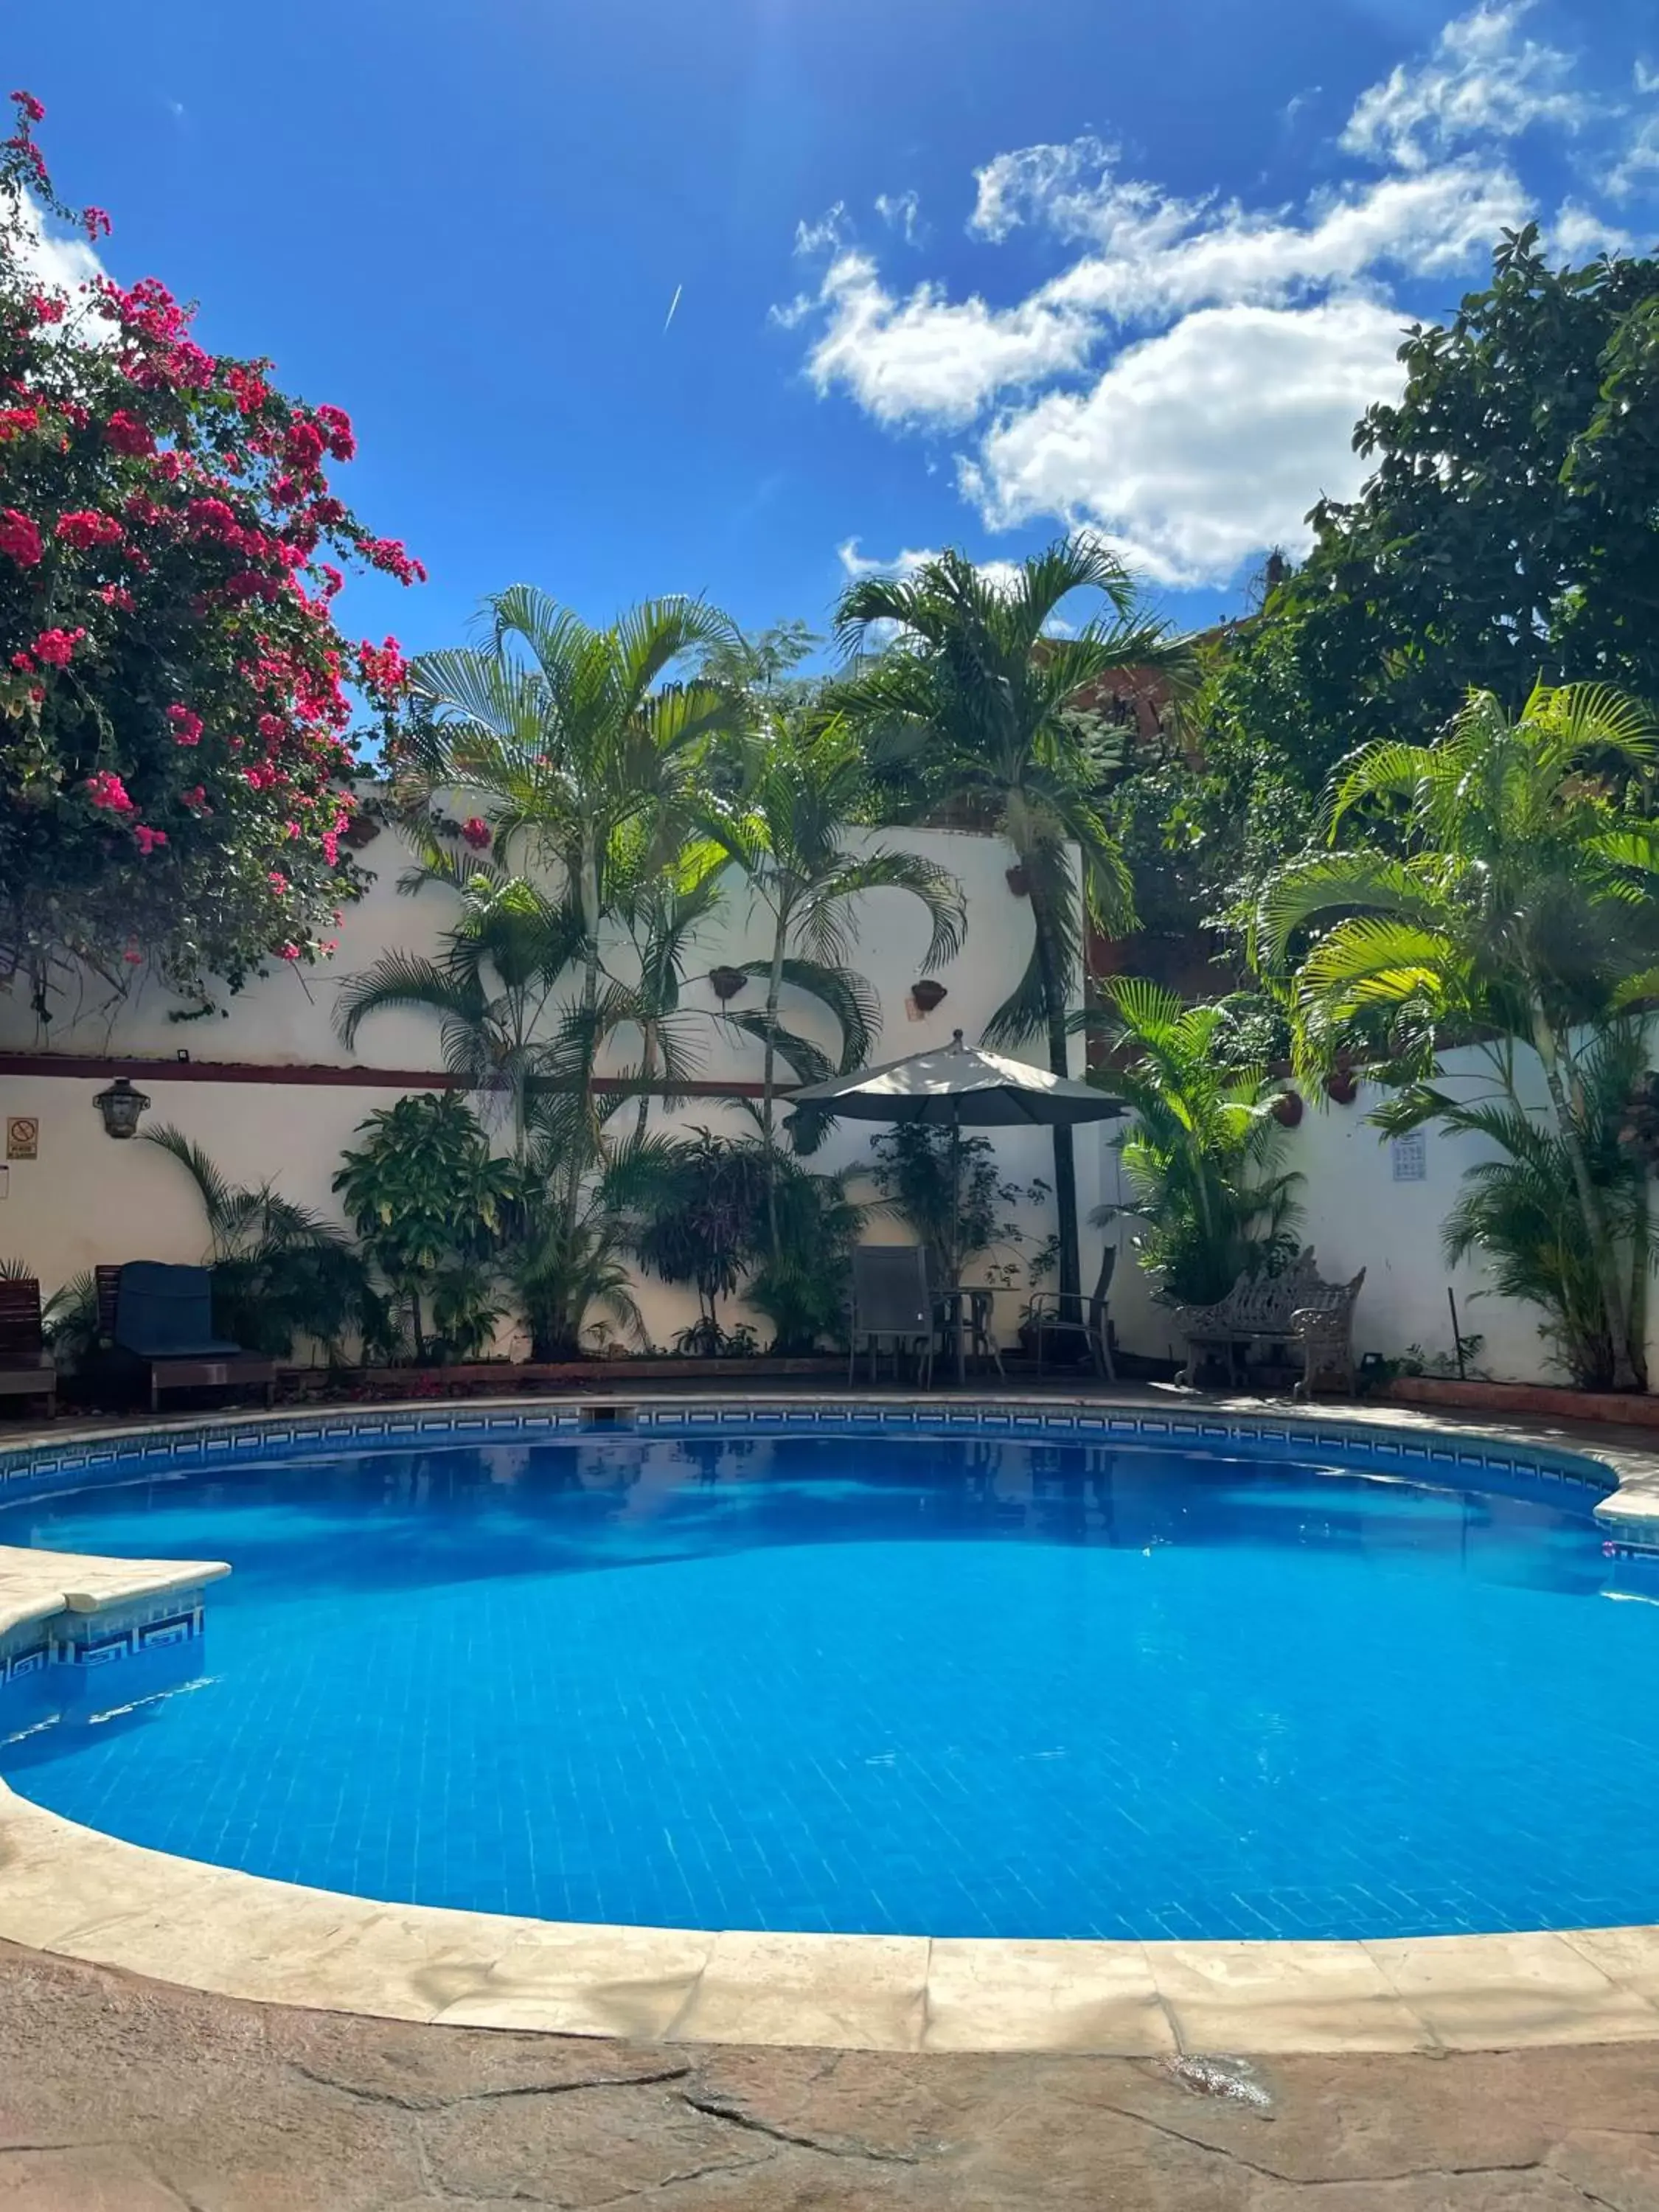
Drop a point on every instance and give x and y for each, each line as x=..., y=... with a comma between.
x=937, y=1687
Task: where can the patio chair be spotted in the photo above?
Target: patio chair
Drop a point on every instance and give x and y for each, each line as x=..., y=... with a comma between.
x=163, y=1324
x=1046, y=1318
x=891, y=1301
x=972, y=1307
x=27, y=1369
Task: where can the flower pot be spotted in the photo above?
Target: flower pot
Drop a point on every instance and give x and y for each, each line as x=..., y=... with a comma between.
x=1288, y=1109
x=1341, y=1086
x=361, y=830
x=928, y=994
x=1019, y=882
x=728, y=982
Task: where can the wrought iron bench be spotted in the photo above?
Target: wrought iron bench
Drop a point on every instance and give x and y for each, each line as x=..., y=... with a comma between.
x=1323, y=1327
x=1294, y=1306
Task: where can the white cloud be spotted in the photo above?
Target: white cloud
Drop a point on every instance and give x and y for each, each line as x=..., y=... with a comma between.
x=901, y=211
x=1579, y=235
x=923, y=357
x=1198, y=448
x=824, y=235
x=1636, y=168
x=1162, y=255
x=1186, y=381
x=1482, y=80
x=56, y=260
x=1647, y=80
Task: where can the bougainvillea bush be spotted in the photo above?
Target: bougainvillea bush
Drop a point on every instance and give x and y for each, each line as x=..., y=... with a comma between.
x=173, y=728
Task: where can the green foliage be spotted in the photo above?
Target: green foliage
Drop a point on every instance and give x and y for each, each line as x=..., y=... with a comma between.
x=977, y=707
x=279, y=1270
x=1509, y=534
x=431, y=1205
x=695, y=1212
x=803, y=1291
x=69, y=1320
x=1515, y=904
x=1203, y=1155
x=1521, y=1212
x=567, y=1279
x=787, y=834
x=956, y=1214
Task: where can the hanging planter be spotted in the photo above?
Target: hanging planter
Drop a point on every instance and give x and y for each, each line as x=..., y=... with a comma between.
x=361, y=830
x=1287, y=1108
x=928, y=993
x=1019, y=882
x=1342, y=1085
x=728, y=982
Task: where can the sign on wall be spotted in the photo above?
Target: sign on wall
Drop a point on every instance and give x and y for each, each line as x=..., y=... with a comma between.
x=1410, y=1156
x=22, y=1137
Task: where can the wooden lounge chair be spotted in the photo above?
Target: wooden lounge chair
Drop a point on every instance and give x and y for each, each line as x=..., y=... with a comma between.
x=891, y=1303
x=27, y=1369
x=162, y=1325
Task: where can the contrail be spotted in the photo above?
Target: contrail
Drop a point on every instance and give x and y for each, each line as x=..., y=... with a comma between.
x=673, y=304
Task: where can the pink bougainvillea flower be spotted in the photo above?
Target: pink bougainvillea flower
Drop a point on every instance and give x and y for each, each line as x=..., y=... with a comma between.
x=475, y=830
x=56, y=647
x=19, y=537
x=147, y=839
x=289, y=951
x=116, y=595
x=195, y=799
x=106, y=789
x=96, y=223
x=384, y=666
x=14, y=421
x=186, y=727
x=336, y=426
x=128, y=434
x=278, y=882
x=28, y=106
x=86, y=526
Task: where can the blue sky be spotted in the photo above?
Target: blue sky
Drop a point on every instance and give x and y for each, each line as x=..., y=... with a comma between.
x=949, y=272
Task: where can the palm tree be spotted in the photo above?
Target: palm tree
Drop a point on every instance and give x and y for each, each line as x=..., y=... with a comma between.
x=1202, y=1156
x=577, y=743
x=279, y=1270
x=788, y=834
x=978, y=701
x=1512, y=900
x=505, y=959
x=1520, y=1210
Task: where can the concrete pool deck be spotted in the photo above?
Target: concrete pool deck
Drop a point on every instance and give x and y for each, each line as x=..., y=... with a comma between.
x=81, y=1895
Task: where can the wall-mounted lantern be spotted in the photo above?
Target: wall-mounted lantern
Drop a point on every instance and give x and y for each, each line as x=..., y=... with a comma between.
x=120, y=1106
x=728, y=982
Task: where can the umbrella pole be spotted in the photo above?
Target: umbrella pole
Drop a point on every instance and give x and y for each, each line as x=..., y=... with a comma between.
x=955, y=1239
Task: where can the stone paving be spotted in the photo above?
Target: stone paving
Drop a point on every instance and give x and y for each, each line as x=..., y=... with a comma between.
x=122, y=2095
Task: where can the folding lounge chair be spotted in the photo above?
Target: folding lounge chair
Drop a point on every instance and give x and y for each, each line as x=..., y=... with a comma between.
x=164, y=1325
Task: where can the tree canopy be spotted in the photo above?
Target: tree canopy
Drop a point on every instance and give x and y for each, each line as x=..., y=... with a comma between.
x=174, y=746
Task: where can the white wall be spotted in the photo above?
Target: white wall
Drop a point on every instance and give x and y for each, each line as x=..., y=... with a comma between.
x=1356, y=1215
x=88, y=1200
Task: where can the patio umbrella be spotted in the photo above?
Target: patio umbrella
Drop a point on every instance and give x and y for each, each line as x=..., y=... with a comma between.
x=960, y=1086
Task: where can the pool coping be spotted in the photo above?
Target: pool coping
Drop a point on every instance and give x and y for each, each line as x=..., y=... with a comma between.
x=73, y=1890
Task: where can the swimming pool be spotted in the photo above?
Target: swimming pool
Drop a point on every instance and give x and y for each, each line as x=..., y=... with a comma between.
x=943, y=1683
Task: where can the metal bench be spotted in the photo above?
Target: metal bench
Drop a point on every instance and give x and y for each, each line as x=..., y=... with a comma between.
x=1295, y=1306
